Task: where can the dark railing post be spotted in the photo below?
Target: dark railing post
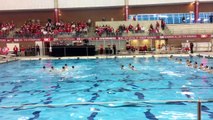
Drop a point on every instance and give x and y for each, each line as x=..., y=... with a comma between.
x=87, y=51
x=65, y=52
x=199, y=110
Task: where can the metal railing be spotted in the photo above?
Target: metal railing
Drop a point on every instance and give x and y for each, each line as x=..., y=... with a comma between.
x=190, y=31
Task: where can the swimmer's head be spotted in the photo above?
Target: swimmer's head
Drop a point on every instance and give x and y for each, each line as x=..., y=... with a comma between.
x=207, y=66
x=122, y=66
x=73, y=67
x=52, y=67
x=130, y=64
x=63, y=68
x=196, y=63
x=44, y=67
x=201, y=64
x=65, y=65
x=211, y=68
x=180, y=59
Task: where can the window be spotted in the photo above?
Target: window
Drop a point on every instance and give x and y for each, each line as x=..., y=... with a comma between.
x=170, y=19
x=176, y=19
x=173, y=18
x=145, y=17
x=139, y=17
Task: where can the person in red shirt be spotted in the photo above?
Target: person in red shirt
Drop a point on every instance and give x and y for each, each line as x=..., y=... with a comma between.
x=163, y=24
x=187, y=48
x=101, y=49
x=22, y=51
x=144, y=48
x=15, y=50
x=0, y=50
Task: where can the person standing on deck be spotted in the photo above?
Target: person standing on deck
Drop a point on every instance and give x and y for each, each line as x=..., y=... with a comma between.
x=15, y=50
x=191, y=47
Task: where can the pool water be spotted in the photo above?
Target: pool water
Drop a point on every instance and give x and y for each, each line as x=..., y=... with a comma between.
x=98, y=89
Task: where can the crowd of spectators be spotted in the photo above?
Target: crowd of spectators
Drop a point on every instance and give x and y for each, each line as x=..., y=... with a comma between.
x=154, y=30
x=76, y=29
x=5, y=28
x=32, y=28
x=110, y=31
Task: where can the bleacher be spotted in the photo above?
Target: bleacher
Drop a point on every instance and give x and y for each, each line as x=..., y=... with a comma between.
x=144, y=24
x=171, y=29
x=177, y=29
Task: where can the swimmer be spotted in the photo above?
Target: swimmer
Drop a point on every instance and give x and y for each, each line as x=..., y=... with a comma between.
x=133, y=68
x=52, y=69
x=190, y=63
x=73, y=67
x=187, y=62
x=201, y=66
x=206, y=68
x=180, y=61
x=66, y=66
x=176, y=59
x=171, y=56
x=122, y=67
x=195, y=65
x=63, y=74
x=210, y=70
x=44, y=68
x=63, y=69
x=130, y=65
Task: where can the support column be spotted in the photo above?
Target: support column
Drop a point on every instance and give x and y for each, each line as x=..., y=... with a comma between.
x=56, y=11
x=126, y=10
x=196, y=11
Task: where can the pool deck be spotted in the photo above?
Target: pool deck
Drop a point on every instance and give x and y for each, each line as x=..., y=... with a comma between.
x=100, y=56
x=7, y=60
x=205, y=54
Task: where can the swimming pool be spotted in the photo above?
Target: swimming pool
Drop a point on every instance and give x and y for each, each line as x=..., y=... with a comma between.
x=97, y=89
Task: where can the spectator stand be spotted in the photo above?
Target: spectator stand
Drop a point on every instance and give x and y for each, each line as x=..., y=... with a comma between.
x=128, y=28
x=6, y=28
x=34, y=29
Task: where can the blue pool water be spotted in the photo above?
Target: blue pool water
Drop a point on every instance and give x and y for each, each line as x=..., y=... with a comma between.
x=98, y=89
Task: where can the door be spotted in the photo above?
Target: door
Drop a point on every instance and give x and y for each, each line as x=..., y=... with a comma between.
x=46, y=48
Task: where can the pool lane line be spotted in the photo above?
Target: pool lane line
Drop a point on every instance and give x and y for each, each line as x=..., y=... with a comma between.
x=36, y=115
x=207, y=110
x=111, y=102
x=91, y=91
x=92, y=115
x=150, y=115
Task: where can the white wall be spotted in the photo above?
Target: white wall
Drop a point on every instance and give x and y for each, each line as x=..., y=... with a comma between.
x=149, y=2
x=89, y=3
x=199, y=46
x=12, y=45
x=49, y=4
x=26, y=4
